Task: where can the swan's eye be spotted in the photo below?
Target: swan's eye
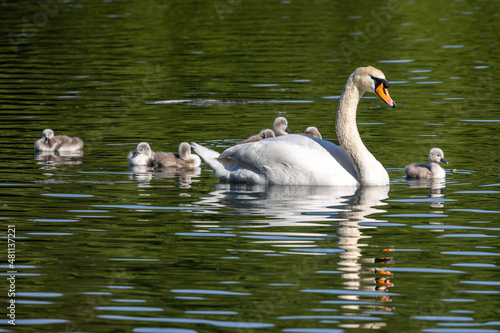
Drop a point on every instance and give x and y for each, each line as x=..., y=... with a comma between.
x=379, y=81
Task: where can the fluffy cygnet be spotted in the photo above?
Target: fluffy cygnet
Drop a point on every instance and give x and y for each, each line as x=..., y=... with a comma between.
x=142, y=156
x=264, y=134
x=313, y=131
x=182, y=159
x=426, y=171
x=280, y=126
x=49, y=142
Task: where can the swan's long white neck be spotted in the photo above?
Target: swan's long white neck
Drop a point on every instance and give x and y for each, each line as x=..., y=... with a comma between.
x=370, y=171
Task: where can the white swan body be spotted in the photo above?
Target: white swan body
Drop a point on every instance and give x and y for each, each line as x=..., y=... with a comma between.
x=291, y=159
x=303, y=160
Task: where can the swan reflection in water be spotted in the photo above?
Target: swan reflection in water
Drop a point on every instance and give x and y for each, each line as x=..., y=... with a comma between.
x=348, y=208
x=50, y=159
x=145, y=174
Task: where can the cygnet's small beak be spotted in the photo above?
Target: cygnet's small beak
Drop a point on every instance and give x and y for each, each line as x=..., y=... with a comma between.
x=288, y=130
x=384, y=94
x=444, y=161
x=46, y=138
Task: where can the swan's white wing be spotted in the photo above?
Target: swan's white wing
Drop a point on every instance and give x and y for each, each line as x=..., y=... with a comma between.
x=288, y=160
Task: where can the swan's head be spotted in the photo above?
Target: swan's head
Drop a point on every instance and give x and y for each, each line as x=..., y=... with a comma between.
x=372, y=79
x=184, y=150
x=143, y=148
x=47, y=134
x=437, y=155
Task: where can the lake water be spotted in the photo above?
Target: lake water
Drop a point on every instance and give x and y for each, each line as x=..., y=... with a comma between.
x=99, y=248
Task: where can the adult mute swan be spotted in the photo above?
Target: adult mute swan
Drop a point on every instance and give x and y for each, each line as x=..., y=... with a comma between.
x=49, y=142
x=426, y=171
x=302, y=160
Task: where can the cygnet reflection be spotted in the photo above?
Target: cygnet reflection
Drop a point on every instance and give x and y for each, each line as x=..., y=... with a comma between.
x=437, y=190
x=53, y=158
x=145, y=174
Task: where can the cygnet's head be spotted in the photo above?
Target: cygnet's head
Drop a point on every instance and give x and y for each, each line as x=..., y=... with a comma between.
x=143, y=148
x=281, y=125
x=184, y=150
x=313, y=131
x=47, y=134
x=372, y=79
x=267, y=133
x=437, y=155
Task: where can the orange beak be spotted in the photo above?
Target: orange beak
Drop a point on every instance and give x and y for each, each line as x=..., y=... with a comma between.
x=384, y=94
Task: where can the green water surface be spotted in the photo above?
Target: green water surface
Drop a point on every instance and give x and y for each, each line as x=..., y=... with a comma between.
x=103, y=249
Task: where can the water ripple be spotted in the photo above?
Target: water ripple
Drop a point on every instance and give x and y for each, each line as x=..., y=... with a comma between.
x=482, y=211
x=38, y=294
x=438, y=318
x=67, y=195
x=40, y=321
x=350, y=317
x=161, y=330
x=221, y=313
x=458, y=330
x=211, y=292
x=142, y=207
x=204, y=234
x=128, y=308
x=471, y=253
x=313, y=330
x=474, y=264
x=235, y=324
x=400, y=61
x=423, y=270
x=349, y=292
x=53, y=220
x=416, y=215
x=468, y=235
x=483, y=283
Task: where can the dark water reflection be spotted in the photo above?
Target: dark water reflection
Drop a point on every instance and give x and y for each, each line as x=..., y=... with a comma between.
x=102, y=248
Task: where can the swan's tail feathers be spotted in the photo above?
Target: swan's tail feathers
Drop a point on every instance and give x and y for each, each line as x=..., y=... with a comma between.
x=211, y=158
x=205, y=153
